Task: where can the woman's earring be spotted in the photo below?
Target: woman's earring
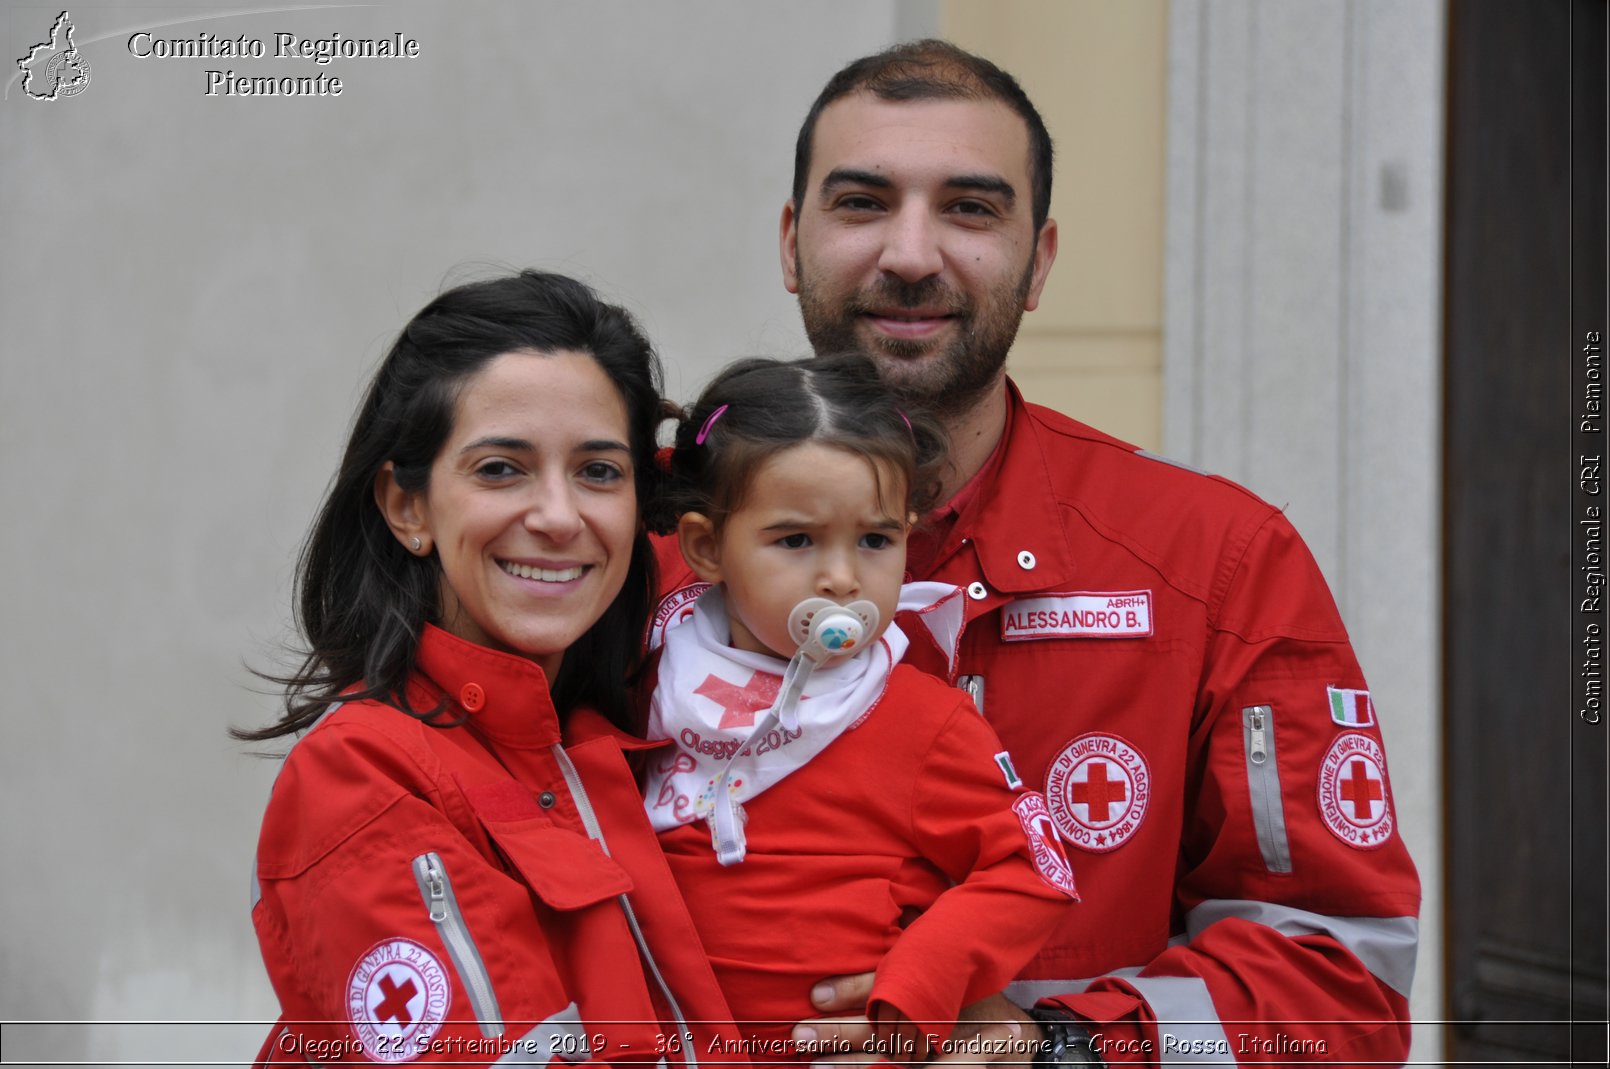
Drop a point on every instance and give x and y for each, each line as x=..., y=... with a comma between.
x=417, y=544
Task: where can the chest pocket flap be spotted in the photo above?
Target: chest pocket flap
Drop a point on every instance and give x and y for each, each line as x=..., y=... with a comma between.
x=565, y=869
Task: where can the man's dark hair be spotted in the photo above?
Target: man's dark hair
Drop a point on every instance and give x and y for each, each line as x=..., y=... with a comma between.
x=362, y=600
x=932, y=69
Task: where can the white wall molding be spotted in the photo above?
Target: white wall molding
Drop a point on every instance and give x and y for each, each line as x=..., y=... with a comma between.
x=1302, y=348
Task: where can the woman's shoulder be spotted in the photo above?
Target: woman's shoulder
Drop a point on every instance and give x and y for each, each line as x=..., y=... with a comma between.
x=368, y=732
x=357, y=762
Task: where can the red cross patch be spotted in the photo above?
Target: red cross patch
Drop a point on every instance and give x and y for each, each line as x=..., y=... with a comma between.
x=1045, y=845
x=397, y=999
x=1098, y=788
x=1354, y=798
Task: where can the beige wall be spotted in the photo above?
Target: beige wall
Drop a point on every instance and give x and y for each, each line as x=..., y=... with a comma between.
x=1097, y=71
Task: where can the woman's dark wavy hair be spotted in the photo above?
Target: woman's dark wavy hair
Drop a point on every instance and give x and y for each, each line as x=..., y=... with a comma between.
x=362, y=599
x=772, y=405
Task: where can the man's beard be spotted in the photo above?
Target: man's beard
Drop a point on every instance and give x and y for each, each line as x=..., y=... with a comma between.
x=945, y=377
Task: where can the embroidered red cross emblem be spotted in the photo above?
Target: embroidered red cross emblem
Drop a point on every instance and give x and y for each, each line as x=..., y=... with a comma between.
x=395, y=1004
x=740, y=704
x=1360, y=789
x=1098, y=792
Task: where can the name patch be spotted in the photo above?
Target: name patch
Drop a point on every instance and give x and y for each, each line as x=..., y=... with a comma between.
x=1119, y=614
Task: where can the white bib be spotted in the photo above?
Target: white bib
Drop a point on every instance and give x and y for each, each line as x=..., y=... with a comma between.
x=718, y=706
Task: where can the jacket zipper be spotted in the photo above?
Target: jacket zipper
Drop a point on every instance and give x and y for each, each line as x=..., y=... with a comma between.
x=1263, y=781
x=595, y=831
x=974, y=686
x=437, y=891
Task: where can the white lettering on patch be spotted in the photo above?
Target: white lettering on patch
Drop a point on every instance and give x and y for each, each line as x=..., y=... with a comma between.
x=1354, y=797
x=397, y=998
x=675, y=608
x=1119, y=614
x=1098, y=788
x=1045, y=845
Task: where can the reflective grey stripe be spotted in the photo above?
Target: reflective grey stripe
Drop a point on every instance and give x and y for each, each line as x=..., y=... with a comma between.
x=589, y=820
x=561, y=1036
x=1026, y=993
x=1170, y=461
x=437, y=890
x=584, y=805
x=1386, y=945
x=1188, y=1028
x=257, y=890
x=1263, y=783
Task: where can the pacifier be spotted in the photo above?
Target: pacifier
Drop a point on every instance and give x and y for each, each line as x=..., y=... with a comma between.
x=826, y=630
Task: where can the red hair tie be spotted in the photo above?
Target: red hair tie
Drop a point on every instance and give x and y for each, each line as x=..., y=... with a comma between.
x=662, y=457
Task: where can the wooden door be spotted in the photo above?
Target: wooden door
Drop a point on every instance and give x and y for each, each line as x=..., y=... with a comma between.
x=1526, y=775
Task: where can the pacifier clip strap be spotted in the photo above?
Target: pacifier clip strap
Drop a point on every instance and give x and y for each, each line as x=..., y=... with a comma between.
x=825, y=631
x=726, y=820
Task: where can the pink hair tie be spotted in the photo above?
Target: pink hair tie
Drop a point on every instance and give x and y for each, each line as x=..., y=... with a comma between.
x=906, y=420
x=704, y=431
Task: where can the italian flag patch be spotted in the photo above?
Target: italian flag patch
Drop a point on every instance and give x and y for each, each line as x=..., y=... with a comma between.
x=1351, y=708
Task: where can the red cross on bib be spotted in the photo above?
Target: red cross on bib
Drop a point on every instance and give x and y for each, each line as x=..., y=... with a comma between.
x=740, y=704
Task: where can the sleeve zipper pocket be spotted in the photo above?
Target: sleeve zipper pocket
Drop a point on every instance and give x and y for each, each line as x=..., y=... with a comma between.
x=437, y=891
x=1263, y=782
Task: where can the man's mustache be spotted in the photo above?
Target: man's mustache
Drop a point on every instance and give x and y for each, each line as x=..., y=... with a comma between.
x=926, y=293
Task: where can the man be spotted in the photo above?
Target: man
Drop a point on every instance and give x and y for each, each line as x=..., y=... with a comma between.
x=1156, y=647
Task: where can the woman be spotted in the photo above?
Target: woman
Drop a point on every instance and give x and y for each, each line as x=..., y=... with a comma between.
x=438, y=877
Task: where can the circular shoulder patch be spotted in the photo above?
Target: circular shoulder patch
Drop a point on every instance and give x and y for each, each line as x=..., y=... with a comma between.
x=397, y=999
x=673, y=609
x=1098, y=788
x=1045, y=845
x=1353, y=795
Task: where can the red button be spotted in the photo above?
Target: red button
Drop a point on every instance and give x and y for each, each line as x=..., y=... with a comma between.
x=472, y=697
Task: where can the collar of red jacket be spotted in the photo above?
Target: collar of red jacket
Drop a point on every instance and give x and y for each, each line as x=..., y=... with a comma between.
x=1015, y=524
x=584, y=725
x=503, y=695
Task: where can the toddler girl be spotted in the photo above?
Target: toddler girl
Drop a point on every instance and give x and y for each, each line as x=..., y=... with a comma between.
x=817, y=794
